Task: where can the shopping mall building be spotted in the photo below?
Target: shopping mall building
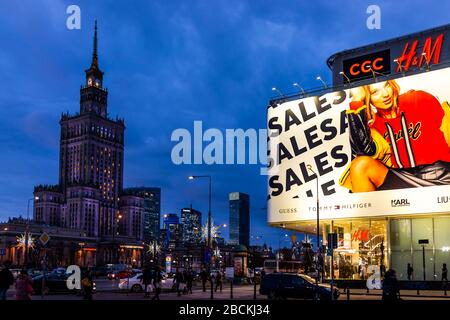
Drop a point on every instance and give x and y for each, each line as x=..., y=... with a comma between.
x=332, y=157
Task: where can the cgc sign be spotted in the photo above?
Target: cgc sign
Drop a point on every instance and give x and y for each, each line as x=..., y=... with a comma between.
x=378, y=149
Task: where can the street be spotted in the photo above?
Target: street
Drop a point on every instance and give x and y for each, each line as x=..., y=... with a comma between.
x=107, y=290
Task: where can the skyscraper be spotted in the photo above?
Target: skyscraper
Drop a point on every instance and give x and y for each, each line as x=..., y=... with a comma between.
x=239, y=218
x=191, y=221
x=172, y=228
x=152, y=210
x=89, y=196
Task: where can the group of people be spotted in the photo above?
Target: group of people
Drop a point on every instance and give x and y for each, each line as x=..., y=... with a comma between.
x=152, y=278
x=216, y=279
x=444, y=272
x=24, y=283
x=183, y=281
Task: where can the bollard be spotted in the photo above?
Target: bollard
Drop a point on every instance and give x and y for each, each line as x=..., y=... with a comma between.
x=367, y=290
x=418, y=293
x=212, y=289
x=254, y=288
x=348, y=294
x=231, y=289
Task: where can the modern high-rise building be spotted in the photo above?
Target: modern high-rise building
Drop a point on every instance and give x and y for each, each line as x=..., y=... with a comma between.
x=172, y=228
x=191, y=221
x=89, y=195
x=152, y=210
x=239, y=218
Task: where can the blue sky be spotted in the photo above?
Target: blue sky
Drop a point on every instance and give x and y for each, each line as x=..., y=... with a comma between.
x=167, y=64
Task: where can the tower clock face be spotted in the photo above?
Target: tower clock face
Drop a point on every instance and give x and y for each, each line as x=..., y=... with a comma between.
x=97, y=83
x=90, y=81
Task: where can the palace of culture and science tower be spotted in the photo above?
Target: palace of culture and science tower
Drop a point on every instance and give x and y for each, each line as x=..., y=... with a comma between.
x=89, y=196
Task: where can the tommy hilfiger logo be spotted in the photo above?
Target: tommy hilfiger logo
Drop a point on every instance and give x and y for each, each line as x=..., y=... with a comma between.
x=400, y=203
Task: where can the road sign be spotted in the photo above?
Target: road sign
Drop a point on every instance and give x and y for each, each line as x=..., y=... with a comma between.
x=2, y=251
x=229, y=272
x=44, y=238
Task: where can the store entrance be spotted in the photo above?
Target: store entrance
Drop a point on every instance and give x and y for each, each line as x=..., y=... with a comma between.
x=361, y=243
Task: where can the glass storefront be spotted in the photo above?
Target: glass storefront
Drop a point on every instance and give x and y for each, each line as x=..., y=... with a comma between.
x=388, y=243
x=360, y=243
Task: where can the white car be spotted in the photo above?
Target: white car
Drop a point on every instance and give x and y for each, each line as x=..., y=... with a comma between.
x=135, y=284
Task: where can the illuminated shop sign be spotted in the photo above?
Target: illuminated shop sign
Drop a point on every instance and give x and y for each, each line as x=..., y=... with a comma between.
x=358, y=147
x=413, y=56
x=361, y=67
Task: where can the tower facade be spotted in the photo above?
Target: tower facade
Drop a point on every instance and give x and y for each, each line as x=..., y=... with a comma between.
x=239, y=218
x=88, y=196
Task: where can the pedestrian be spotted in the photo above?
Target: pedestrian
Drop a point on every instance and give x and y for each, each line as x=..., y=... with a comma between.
x=444, y=272
x=263, y=273
x=178, y=280
x=390, y=286
x=146, y=280
x=6, y=280
x=88, y=286
x=204, y=278
x=219, y=280
x=189, y=280
x=409, y=271
x=157, y=277
x=24, y=286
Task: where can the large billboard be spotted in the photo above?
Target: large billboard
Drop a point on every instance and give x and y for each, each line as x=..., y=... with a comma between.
x=375, y=150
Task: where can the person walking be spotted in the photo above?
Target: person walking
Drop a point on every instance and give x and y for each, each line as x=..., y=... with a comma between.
x=444, y=272
x=6, y=280
x=391, y=290
x=24, y=286
x=189, y=281
x=204, y=278
x=146, y=280
x=409, y=271
x=218, y=280
x=178, y=280
x=157, y=277
x=88, y=286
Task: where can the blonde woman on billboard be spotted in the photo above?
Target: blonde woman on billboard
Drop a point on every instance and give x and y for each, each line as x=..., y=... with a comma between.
x=397, y=140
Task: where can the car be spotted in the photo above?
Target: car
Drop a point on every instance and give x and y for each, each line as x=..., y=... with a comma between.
x=123, y=274
x=54, y=283
x=15, y=272
x=135, y=283
x=291, y=285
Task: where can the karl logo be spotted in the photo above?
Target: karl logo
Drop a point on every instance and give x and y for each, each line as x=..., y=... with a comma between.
x=400, y=203
x=74, y=279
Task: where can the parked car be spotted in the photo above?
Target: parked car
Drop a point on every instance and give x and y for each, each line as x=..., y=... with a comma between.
x=123, y=274
x=15, y=272
x=135, y=283
x=54, y=282
x=291, y=285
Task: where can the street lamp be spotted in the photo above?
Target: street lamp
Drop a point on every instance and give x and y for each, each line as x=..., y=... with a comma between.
x=284, y=237
x=208, y=239
x=318, y=225
x=277, y=91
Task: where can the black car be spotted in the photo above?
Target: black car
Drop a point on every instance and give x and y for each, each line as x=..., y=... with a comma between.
x=54, y=283
x=299, y=286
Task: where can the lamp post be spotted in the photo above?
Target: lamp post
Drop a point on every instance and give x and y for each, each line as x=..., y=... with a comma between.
x=318, y=222
x=279, y=248
x=117, y=219
x=27, y=228
x=323, y=82
x=208, y=240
